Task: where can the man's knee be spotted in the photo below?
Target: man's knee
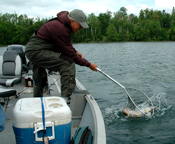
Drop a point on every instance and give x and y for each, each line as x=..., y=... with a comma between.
x=68, y=82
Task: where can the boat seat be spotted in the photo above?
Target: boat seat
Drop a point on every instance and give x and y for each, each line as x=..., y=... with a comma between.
x=10, y=69
x=5, y=94
x=21, y=51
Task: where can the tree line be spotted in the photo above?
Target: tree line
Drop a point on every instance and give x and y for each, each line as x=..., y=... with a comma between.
x=149, y=25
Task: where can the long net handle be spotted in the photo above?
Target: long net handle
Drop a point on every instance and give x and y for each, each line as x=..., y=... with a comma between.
x=110, y=78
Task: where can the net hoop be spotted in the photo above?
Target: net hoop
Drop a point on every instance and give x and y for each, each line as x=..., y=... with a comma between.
x=134, y=102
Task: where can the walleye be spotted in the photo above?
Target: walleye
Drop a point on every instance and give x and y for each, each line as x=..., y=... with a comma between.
x=134, y=114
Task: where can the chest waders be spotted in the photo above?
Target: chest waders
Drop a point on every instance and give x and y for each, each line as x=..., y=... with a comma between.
x=42, y=56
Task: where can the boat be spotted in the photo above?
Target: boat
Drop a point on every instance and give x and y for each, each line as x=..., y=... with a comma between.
x=84, y=108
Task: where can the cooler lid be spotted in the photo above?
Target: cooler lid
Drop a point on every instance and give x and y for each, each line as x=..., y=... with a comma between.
x=28, y=110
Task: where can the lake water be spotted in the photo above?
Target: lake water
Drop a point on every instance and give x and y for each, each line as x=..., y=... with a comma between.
x=147, y=66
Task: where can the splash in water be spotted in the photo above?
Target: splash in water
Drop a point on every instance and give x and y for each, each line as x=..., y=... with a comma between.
x=159, y=99
x=114, y=113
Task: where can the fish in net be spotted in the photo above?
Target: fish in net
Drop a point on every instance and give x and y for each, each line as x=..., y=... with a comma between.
x=139, y=104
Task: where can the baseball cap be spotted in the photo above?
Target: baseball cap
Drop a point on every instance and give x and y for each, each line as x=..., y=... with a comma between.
x=79, y=16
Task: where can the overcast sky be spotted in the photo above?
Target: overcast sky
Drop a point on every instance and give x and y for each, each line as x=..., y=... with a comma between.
x=49, y=8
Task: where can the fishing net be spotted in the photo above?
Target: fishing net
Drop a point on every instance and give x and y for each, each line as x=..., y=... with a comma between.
x=138, y=101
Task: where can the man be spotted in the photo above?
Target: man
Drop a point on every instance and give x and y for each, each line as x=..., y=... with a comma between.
x=50, y=48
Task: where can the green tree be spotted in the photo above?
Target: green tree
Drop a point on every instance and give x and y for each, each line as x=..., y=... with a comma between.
x=139, y=33
x=104, y=21
x=141, y=15
x=155, y=30
x=111, y=34
x=94, y=29
x=172, y=35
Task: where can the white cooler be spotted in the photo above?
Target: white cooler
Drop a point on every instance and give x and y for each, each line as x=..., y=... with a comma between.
x=28, y=121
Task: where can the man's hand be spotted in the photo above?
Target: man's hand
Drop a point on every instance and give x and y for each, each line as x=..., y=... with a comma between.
x=80, y=54
x=93, y=67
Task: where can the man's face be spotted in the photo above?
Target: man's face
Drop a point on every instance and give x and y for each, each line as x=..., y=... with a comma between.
x=75, y=26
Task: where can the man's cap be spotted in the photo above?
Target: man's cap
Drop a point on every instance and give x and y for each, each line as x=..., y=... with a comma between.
x=79, y=16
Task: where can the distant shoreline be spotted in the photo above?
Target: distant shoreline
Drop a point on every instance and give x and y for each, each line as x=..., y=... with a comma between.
x=101, y=42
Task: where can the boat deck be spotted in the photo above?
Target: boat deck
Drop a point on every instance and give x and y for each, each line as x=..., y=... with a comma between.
x=85, y=110
x=7, y=136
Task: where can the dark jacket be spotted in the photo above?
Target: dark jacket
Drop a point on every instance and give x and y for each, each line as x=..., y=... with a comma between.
x=57, y=35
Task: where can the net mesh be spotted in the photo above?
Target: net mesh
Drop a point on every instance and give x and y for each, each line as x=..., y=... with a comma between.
x=137, y=100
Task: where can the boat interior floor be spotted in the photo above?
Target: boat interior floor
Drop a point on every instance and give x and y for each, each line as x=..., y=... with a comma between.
x=7, y=135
